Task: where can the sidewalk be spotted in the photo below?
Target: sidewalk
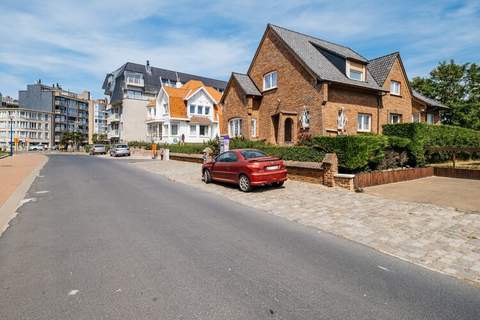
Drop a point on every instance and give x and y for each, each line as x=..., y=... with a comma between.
x=15, y=179
x=439, y=238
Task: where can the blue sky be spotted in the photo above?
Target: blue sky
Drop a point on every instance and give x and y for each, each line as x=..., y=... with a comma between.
x=75, y=43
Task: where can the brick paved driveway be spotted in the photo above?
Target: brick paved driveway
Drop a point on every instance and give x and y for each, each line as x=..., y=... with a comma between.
x=438, y=238
x=462, y=194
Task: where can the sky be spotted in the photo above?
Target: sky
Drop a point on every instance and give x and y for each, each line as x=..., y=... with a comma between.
x=75, y=43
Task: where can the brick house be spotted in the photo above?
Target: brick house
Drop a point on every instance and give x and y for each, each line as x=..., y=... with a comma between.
x=401, y=103
x=297, y=84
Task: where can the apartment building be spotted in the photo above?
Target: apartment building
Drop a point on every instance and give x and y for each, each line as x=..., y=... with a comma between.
x=97, y=118
x=131, y=87
x=298, y=85
x=29, y=126
x=70, y=109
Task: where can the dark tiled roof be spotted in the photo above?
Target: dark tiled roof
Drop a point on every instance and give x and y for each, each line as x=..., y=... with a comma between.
x=380, y=67
x=152, y=81
x=428, y=101
x=322, y=57
x=246, y=84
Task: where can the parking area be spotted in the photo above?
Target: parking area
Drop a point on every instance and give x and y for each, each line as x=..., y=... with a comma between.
x=437, y=237
x=462, y=194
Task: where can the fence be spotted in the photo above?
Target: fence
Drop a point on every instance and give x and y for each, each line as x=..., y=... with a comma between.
x=367, y=179
x=457, y=173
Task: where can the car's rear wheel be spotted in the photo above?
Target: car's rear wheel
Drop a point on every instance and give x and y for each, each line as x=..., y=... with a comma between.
x=207, y=176
x=244, y=183
x=278, y=184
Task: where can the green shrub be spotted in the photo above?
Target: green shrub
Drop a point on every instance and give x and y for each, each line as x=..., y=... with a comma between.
x=355, y=153
x=424, y=135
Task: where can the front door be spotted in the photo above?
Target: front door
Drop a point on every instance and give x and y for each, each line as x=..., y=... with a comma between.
x=288, y=130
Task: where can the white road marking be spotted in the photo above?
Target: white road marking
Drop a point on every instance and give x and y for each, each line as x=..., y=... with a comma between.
x=26, y=201
x=383, y=268
x=73, y=292
x=43, y=191
x=118, y=290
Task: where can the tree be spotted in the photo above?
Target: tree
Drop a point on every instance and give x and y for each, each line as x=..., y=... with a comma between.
x=71, y=138
x=456, y=86
x=99, y=137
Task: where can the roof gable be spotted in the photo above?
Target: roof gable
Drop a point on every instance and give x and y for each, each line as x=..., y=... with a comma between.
x=318, y=56
x=380, y=67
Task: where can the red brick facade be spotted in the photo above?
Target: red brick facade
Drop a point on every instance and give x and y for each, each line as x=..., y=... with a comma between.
x=277, y=112
x=396, y=104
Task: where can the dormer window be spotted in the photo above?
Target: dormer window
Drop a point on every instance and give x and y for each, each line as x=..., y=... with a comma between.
x=270, y=81
x=355, y=71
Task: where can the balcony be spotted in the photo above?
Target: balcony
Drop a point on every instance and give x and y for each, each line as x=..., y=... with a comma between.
x=134, y=81
x=114, y=133
x=114, y=117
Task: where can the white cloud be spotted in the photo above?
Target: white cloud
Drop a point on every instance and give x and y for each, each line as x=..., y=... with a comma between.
x=77, y=43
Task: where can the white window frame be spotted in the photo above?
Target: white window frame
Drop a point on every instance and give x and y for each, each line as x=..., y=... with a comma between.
x=194, y=106
x=395, y=88
x=391, y=117
x=268, y=81
x=416, y=117
x=360, y=122
x=432, y=117
x=171, y=129
x=350, y=69
x=235, y=127
x=206, y=132
x=253, y=127
x=194, y=134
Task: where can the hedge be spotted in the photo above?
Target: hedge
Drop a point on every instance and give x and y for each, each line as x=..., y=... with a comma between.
x=423, y=135
x=355, y=153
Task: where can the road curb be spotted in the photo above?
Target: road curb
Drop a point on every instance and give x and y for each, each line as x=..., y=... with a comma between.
x=9, y=209
x=4, y=156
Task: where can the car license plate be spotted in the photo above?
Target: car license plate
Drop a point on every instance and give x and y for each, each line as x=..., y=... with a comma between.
x=272, y=167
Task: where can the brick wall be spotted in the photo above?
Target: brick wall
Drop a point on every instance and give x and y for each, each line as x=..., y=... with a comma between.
x=295, y=89
x=396, y=104
x=234, y=106
x=353, y=102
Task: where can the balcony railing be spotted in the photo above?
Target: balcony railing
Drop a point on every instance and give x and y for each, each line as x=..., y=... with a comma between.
x=115, y=133
x=133, y=81
x=113, y=117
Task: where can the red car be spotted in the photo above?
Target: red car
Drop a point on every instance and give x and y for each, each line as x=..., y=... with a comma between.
x=247, y=168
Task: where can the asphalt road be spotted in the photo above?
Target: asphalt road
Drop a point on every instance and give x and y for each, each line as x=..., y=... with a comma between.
x=109, y=241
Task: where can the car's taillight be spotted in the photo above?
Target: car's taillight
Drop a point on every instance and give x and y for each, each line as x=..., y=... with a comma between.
x=254, y=165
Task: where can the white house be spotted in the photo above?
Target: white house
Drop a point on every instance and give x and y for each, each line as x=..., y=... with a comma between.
x=189, y=112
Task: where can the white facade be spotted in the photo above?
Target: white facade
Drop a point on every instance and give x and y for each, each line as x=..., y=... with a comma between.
x=200, y=124
x=29, y=126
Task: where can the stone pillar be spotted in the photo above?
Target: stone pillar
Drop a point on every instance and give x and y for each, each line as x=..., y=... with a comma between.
x=330, y=169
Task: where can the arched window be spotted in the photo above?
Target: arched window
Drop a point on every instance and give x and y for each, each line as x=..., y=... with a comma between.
x=235, y=127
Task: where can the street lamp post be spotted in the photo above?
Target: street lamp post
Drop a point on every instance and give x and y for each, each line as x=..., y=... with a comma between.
x=11, y=135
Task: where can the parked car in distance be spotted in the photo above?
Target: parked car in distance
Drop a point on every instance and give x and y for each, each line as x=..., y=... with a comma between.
x=98, y=149
x=36, y=147
x=119, y=150
x=246, y=167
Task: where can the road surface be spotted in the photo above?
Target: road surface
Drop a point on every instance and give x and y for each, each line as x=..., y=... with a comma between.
x=104, y=240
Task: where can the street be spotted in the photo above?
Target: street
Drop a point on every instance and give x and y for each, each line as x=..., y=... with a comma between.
x=101, y=239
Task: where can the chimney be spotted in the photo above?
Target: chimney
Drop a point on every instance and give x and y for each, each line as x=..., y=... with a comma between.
x=148, y=68
x=39, y=81
x=178, y=84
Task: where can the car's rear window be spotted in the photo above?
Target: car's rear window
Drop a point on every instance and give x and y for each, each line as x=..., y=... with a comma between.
x=250, y=154
x=99, y=146
x=122, y=146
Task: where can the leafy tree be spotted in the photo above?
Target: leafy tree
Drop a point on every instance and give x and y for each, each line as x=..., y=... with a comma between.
x=456, y=86
x=99, y=137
